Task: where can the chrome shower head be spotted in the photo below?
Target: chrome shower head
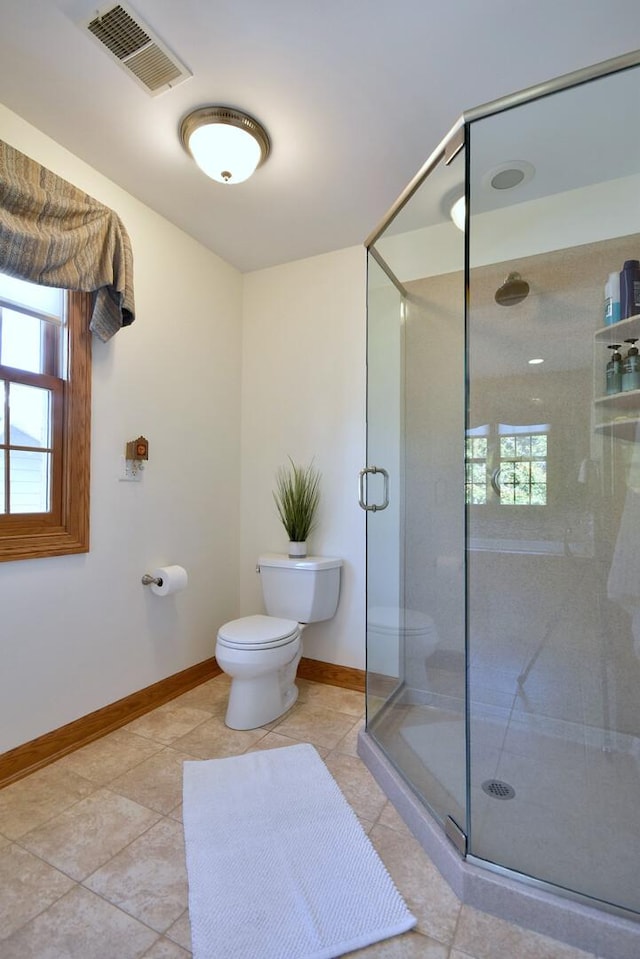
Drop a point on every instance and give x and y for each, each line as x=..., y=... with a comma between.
x=513, y=290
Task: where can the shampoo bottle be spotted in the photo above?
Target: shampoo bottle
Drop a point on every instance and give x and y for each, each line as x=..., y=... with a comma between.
x=614, y=370
x=631, y=368
x=612, y=299
x=630, y=289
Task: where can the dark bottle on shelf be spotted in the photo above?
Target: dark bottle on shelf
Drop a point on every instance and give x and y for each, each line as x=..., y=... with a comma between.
x=631, y=368
x=630, y=289
x=614, y=370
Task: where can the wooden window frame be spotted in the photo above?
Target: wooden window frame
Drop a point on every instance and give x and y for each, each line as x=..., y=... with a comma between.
x=31, y=536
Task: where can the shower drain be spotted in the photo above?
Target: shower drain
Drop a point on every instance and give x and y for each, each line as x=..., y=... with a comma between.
x=498, y=789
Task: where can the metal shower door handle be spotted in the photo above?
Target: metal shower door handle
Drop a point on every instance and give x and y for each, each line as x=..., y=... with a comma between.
x=373, y=507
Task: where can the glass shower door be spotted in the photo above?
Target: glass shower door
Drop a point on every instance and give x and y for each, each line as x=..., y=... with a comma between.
x=381, y=487
x=415, y=546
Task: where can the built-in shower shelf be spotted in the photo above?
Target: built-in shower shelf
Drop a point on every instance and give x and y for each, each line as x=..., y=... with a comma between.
x=619, y=332
x=623, y=412
x=619, y=413
x=625, y=400
x=622, y=428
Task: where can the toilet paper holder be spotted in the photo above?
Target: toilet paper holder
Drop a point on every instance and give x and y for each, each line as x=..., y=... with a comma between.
x=166, y=580
x=148, y=580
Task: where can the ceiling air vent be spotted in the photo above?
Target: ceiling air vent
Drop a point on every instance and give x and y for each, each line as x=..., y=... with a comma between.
x=134, y=46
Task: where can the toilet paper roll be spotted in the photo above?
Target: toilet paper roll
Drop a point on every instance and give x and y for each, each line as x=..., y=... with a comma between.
x=173, y=579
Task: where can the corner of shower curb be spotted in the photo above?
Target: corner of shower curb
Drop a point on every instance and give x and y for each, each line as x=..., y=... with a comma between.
x=523, y=902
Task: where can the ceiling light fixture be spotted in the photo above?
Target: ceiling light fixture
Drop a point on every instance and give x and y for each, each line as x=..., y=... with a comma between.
x=458, y=212
x=226, y=144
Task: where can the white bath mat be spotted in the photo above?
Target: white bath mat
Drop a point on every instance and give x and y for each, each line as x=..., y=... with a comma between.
x=278, y=865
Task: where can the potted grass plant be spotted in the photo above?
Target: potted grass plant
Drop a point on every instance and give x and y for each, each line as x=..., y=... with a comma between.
x=297, y=495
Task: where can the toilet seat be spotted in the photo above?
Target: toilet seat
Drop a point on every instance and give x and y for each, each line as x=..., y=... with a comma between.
x=258, y=632
x=394, y=621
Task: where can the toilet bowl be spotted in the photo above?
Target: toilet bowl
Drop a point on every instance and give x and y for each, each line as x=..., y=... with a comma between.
x=261, y=653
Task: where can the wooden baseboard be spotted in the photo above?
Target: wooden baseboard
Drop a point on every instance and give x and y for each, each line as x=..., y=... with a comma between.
x=345, y=676
x=25, y=759
x=45, y=749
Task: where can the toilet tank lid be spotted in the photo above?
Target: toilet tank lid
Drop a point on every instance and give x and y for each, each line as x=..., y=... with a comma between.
x=299, y=562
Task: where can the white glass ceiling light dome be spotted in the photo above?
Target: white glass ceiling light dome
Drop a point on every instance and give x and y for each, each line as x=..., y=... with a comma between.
x=226, y=144
x=458, y=212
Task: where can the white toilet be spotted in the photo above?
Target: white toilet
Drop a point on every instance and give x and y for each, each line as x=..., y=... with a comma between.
x=261, y=653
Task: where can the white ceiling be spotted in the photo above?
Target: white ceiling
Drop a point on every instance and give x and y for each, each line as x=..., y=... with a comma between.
x=355, y=95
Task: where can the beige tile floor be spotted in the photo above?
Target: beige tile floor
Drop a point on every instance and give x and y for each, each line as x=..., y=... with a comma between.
x=91, y=847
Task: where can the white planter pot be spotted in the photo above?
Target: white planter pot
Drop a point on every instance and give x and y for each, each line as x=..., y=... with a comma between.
x=297, y=550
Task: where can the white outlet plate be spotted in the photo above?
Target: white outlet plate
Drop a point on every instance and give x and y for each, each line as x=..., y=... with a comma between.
x=127, y=472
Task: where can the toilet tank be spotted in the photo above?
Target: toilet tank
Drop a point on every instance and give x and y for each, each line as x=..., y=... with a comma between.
x=305, y=590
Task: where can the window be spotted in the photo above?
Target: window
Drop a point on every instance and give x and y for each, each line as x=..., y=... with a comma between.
x=45, y=394
x=511, y=460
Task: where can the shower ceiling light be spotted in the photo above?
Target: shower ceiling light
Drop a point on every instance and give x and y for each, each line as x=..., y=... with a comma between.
x=509, y=175
x=226, y=144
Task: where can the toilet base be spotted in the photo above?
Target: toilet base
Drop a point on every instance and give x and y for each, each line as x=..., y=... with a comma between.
x=255, y=702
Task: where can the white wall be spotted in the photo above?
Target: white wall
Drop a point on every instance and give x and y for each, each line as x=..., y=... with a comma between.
x=303, y=396
x=80, y=632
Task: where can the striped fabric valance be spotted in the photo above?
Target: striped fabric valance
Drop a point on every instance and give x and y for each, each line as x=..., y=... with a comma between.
x=54, y=234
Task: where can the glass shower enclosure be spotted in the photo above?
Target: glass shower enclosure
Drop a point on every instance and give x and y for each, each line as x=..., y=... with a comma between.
x=502, y=487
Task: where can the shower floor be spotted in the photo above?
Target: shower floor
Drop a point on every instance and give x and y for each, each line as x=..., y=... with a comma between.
x=575, y=818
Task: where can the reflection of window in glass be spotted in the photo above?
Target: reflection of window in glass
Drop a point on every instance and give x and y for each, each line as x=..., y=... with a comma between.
x=523, y=465
x=476, y=466
x=520, y=476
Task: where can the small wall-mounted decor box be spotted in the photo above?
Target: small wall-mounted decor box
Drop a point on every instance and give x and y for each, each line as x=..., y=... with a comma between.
x=138, y=449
